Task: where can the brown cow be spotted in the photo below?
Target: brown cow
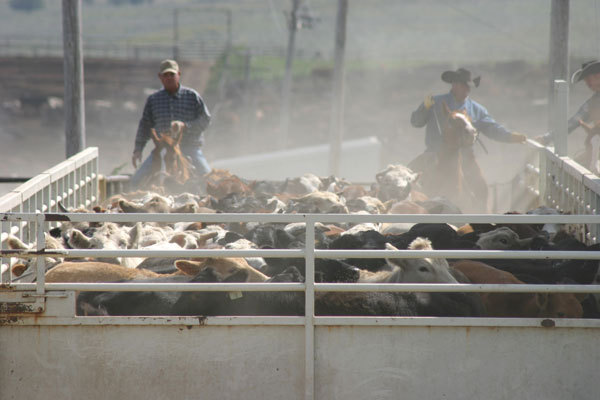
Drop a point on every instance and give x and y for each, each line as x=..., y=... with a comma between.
x=95, y=271
x=220, y=183
x=518, y=305
x=223, y=267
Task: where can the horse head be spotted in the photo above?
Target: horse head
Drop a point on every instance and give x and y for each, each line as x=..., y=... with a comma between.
x=168, y=163
x=458, y=130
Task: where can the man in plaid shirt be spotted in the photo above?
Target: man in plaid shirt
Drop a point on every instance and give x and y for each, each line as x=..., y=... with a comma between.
x=588, y=112
x=174, y=108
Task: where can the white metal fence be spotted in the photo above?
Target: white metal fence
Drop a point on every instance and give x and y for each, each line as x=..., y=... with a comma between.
x=73, y=183
x=49, y=309
x=52, y=305
x=561, y=184
x=309, y=253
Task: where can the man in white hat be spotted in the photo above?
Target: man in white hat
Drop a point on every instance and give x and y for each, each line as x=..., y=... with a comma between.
x=174, y=108
x=590, y=74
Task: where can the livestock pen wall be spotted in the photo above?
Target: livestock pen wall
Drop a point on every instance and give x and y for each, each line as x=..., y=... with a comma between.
x=45, y=350
x=306, y=357
x=185, y=359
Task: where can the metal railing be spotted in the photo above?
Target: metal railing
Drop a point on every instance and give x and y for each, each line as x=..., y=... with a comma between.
x=73, y=183
x=31, y=297
x=562, y=184
x=41, y=221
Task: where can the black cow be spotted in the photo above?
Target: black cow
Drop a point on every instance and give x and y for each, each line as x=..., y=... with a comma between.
x=362, y=240
x=442, y=237
x=131, y=303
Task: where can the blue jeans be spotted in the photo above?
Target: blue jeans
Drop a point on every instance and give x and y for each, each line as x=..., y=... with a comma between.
x=195, y=155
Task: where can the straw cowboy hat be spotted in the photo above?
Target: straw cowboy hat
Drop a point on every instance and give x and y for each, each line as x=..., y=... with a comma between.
x=460, y=75
x=587, y=68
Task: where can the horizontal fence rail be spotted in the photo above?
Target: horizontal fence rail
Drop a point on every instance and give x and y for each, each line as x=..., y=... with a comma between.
x=309, y=253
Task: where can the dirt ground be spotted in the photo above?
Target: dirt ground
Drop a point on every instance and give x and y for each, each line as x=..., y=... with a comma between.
x=246, y=114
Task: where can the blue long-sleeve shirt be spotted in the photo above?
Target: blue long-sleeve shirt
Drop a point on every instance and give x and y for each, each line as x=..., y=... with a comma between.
x=162, y=108
x=479, y=116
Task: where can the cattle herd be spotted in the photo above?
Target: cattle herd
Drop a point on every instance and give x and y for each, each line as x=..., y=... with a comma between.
x=395, y=191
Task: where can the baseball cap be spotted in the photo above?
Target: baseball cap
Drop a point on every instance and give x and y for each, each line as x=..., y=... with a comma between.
x=168, y=66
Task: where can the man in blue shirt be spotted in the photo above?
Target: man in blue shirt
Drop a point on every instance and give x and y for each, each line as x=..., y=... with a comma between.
x=458, y=99
x=175, y=108
x=589, y=111
x=430, y=114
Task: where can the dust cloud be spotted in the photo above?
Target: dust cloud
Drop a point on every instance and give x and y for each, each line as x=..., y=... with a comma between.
x=391, y=64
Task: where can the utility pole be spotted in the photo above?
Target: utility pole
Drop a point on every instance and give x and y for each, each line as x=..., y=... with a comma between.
x=176, y=34
x=337, y=111
x=559, y=51
x=73, y=77
x=229, y=21
x=287, y=78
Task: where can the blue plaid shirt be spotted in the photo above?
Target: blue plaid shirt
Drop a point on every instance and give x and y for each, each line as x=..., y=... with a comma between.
x=162, y=108
x=583, y=113
x=482, y=121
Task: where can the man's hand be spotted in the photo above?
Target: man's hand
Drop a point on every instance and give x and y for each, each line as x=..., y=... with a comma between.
x=544, y=139
x=135, y=158
x=428, y=102
x=177, y=127
x=516, y=137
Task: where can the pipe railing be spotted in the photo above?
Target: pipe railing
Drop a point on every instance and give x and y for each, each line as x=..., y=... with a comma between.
x=309, y=321
x=309, y=252
x=562, y=184
x=73, y=183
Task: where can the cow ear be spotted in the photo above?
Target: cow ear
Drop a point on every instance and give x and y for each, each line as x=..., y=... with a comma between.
x=389, y=246
x=524, y=244
x=203, y=238
x=135, y=236
x=128, y=207
x=391, y=261
x=581, y=296
x=541, y=300
x=189, y=267
x=78, y=240
x=16, y=243
x=18, y=269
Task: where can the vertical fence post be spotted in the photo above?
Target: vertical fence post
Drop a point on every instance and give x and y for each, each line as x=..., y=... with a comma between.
x=561, y=106
x=309, y=315
x=336, y=128
x=559, y=49
x=73, y=76
x=40, y=245
x=542, y=185
x=286, y=87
